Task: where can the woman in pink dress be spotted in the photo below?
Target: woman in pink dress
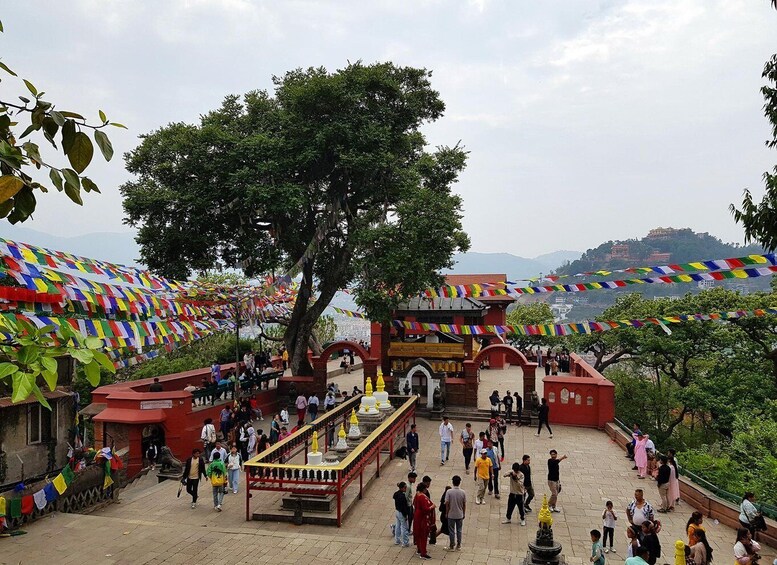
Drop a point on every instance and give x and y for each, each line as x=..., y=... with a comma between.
x=640, y=453
x=674, y=481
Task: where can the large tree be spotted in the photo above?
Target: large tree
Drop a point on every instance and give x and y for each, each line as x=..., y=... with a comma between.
x=328, y=178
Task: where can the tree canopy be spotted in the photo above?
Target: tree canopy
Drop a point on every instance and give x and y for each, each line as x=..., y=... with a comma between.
x=328, y=178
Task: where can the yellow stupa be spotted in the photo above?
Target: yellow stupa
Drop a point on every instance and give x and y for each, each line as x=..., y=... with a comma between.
x=367, y=404
x=314, y=444
x=381, y=396
x=341, y=433
x=354, y=419
x=544, y=517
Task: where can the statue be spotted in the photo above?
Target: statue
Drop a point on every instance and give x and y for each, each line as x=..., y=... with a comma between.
x=292, y=392
x=407, y=390
x=169, y=464
x=544, y=551
x=437, y=399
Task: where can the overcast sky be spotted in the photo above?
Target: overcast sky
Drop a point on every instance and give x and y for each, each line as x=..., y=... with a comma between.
x=586, y=120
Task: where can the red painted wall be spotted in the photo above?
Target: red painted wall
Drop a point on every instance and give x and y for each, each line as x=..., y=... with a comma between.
x=586, y=399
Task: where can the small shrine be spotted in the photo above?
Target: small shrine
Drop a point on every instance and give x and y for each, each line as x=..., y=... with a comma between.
x=544, y=550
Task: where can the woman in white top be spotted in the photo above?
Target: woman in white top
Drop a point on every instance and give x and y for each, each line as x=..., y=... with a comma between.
x=285, y=417
x=745, y=549
x=701, y=552
x=748, y=512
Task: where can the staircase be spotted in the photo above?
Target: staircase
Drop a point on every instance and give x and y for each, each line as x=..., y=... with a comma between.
x=142, y=481
x=469, y=414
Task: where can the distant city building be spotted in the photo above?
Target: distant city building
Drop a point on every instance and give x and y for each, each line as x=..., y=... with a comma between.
x=661, y=233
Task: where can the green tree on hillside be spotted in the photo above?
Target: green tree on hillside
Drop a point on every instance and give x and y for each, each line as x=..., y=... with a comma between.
x=327, y=178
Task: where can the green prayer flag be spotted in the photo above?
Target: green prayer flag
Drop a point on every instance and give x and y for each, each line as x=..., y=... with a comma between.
x=15, y=508
x=68, y=475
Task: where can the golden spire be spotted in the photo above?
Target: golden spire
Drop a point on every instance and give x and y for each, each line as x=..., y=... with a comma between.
x=354, y=420
x=545, y=518
x=341, y=433
x=380, y=384
x=314, y=443
x=368, y=387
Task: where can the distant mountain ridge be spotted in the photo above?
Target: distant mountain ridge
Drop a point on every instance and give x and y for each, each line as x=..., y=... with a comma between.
x=513, y=266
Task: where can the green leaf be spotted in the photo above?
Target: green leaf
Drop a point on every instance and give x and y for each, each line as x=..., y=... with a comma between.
x=5, y=208
x=103, y=119
x=56, y=178
x=68, y=134
x=24, y=99
x=49, y=364
x=22, y=386
x=80, y=153
x=24, y=201
x=114, y=124
x=71, y=115
x=92, y=372
x=28, y=354
x=72, y=177
x=7, y=369
x=9, y=186
x=6, y=69
x=74, y=193
x=89, y=185
x=30, y=87
x=104, y=144
x=1, y=27
x=58, y=118
x=32, y=151
x=94, y=342
x=105, y=361
x=39, y=395
x=85, y=356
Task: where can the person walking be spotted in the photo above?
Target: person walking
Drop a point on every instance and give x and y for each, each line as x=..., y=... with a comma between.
x=502, y=423
x=411, y=478
x=329, y=401
x=456, y=510
x=234, y=466
x=543, y=415
x=525, y=468
x=217, y=473
x=518, y=407
x=662, y=481
x=208, y=436
x=554, y=480
x=152, y=452
x=193, y=469
x=483, y=472
x=507, y=402
x=302, y=405
x=494, y=399
x=467, y=440
x=609, y=517
x=493, y=484
x=423, y=520
x=411, y=443
x=640, y=453
x=674, y=481
x=313, y=406
x=597, y=553
x=748, y=513
x=517, y=492
x=401, y=516
x=446, y=438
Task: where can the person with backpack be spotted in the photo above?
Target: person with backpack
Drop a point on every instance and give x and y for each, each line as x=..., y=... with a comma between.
x=234, y=465
x=208, y=436
x=193, y=469
x=217, y=473
x=467, y=440
x=597, y=554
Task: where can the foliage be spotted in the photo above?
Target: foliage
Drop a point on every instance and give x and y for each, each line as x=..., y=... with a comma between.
x=530, y=314
x=760, y=220
x=325, y=330
x=30, y=356
x=18, y=157
x=327, y=177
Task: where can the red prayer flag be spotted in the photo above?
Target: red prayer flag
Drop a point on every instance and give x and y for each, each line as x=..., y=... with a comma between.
x=28, y=504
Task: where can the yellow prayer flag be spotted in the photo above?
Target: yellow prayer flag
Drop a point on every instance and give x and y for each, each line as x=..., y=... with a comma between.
x=684, y=278
x=40, y=285
x=758, y=258
x=2, y=506
x=28, y=255
x=60, y=484
x=699, y=266
x=740, y=274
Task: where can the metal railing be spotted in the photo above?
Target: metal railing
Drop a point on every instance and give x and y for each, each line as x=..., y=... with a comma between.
x=268, y=472
x=767, y=509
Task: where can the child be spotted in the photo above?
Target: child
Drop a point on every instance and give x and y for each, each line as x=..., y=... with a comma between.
x=609, y=517
x=631, y=551
x=597, y=555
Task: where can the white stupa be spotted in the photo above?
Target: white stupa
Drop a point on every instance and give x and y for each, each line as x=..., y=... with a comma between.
x=341, y=444
x=381, y=396
x=354, y=432
x=315, y=457
x=368, y=401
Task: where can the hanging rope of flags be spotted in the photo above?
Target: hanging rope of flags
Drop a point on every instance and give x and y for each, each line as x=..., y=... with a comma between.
x=349, y=313
x=572, y=328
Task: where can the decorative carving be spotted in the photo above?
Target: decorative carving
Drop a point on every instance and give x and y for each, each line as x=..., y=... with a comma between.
x=169, y=464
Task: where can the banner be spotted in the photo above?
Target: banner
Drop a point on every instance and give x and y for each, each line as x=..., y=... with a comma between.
x=571, y=328
x=349, y=313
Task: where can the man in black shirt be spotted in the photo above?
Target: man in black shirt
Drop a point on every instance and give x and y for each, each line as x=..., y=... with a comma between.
x=662, y=480
x=543, y=414
x=507, y=401
x=553, y=478
x=156, y=386
x=525, y=468
x=518, y=408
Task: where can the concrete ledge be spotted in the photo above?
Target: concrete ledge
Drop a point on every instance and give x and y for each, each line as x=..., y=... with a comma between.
x=703, y=500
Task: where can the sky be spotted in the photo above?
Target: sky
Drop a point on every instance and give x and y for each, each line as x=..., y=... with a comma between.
x=586, y=121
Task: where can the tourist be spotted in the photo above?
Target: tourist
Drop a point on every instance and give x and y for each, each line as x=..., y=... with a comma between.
x=409, y=494
x=662, y=481
x=218, y=448
x=443, y=531
x=548, y=360
x=467, y=440
x=355, y=391
x=639, y=511
x=539, y=356
x=650, y=451
x=483, y=472
x=248, y=362
x=517, y=492
x=630, y=445
x=633, y=543
x=597, y=553
x=554, y=481
x=208, y=435
x=518, y=406
x=446, y=438
x=701, y=552
x=640, y=556
x=455, y=501
x=193, y=469
x=423, y=520
x=156, y=386
x=543, y=415
x=285, y=358
x=313, y=406
x=609, y=517
x=693, y=527
x=640, y=453
x=494, y=399
x=234, y=465
x=500, y=436
x=152, y=452
x=190, y=387
x=525, y=468
x=329, y=401
x=225, y=418
x=275, y=429
x=493, y=483
x=554, y=366
x=285, y=432
x=302, y=404
x=401, y=516
x=650, y=541
x=480, y=443
x=749, y=516
x=215, y=372
x=262, y=442
x=746, y=549
x=507, y=402
x=250, y=442
x=411, y=443
x=217, y=473
x=674, y=481
x=283, y=417
x=256, y=412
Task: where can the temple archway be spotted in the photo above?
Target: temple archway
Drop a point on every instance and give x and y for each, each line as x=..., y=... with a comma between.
x=514, y=357
x=420, y=378
x=319, y=363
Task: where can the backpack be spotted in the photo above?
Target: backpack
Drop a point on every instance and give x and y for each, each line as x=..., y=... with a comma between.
x=217, y=478
x=211, y=433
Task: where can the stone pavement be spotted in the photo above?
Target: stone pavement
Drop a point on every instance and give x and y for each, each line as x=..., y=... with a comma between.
x=151, y=525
